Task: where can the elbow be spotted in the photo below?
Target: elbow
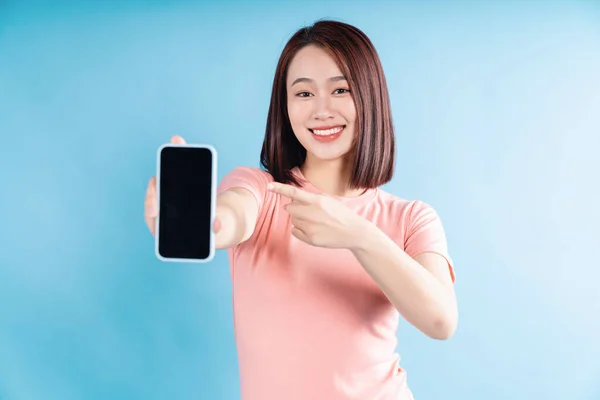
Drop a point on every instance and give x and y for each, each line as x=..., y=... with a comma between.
x=443, y=328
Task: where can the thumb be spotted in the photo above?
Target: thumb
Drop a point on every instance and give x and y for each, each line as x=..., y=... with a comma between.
x=176, y=139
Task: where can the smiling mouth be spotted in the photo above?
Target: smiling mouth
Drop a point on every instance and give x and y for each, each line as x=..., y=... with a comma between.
x=328, y=132
x=327, y=135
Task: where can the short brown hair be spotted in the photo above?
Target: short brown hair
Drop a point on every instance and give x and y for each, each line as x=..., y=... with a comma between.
x=358, y=60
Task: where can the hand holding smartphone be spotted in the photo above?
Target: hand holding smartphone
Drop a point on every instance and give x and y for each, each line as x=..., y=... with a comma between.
x=183, y=202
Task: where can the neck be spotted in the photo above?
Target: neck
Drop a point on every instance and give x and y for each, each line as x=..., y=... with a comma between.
x=330, y=177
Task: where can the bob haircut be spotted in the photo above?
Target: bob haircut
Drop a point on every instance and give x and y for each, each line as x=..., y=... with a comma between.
x=373, y=152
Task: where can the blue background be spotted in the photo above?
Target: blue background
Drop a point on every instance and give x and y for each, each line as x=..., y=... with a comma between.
x=497, y=111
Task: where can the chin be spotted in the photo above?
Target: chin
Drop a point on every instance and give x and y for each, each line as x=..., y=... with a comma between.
x=327, y=155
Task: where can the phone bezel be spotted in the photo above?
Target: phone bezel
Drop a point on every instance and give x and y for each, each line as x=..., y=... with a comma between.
x=213, y=202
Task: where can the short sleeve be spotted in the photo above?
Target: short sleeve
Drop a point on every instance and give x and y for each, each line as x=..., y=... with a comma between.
x=425, y=233
x=253, y=180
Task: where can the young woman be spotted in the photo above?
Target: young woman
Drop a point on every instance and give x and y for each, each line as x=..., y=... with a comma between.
x=323, y=261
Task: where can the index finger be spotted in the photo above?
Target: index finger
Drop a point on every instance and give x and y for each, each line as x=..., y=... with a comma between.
x=291, y=192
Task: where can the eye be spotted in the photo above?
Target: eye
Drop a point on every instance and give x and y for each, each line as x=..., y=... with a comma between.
x=303, y=94
x=341, y=91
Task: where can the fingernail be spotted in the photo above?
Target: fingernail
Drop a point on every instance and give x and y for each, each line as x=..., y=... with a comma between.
x=270, y=186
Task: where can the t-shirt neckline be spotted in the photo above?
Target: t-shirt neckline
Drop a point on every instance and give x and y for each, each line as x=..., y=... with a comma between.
x=364, y=198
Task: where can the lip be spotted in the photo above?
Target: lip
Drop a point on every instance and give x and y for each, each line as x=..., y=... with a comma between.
x=324, y=128
x=328, y=138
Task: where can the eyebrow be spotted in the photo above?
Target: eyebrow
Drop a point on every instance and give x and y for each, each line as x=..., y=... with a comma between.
x=308, y=80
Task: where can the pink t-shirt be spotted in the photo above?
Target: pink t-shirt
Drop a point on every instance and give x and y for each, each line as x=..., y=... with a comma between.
x=310, y=323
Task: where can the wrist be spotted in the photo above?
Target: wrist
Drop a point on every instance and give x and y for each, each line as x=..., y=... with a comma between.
x=363, y=237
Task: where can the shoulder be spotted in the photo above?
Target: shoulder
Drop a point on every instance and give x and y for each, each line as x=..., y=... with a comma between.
x=252, y=179
x=409, y=211
x=250, y=173
x=409, y=206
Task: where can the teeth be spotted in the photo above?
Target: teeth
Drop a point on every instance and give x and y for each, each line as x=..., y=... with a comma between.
x=327, y=131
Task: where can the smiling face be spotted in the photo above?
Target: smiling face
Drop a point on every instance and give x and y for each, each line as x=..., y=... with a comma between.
x=320, y=106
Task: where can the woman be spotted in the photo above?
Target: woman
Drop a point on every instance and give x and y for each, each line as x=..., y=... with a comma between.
x=323, y=261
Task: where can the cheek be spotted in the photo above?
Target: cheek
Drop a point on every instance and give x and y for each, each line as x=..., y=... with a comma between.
x=349, y=111
x=298, y=112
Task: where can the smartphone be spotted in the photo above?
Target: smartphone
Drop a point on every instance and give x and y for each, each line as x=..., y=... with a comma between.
x=186, y=181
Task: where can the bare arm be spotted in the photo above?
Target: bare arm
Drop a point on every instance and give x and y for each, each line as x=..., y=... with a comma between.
x=421, y=288
x=237, y=213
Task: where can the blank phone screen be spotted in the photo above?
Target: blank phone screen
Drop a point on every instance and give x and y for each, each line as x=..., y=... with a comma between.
x=184, y=224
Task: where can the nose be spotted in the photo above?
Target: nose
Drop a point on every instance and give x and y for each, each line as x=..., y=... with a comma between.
x=323, y=108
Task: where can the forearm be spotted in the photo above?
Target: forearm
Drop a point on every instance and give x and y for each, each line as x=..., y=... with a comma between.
x=233, y=229
x=420, y=297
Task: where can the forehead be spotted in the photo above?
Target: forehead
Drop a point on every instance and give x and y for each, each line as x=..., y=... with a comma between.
x=314, y=63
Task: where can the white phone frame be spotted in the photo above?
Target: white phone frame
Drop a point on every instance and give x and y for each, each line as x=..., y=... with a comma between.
x=213, y=202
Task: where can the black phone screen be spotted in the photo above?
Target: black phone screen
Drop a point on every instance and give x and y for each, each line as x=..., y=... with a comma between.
x=185, y=196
